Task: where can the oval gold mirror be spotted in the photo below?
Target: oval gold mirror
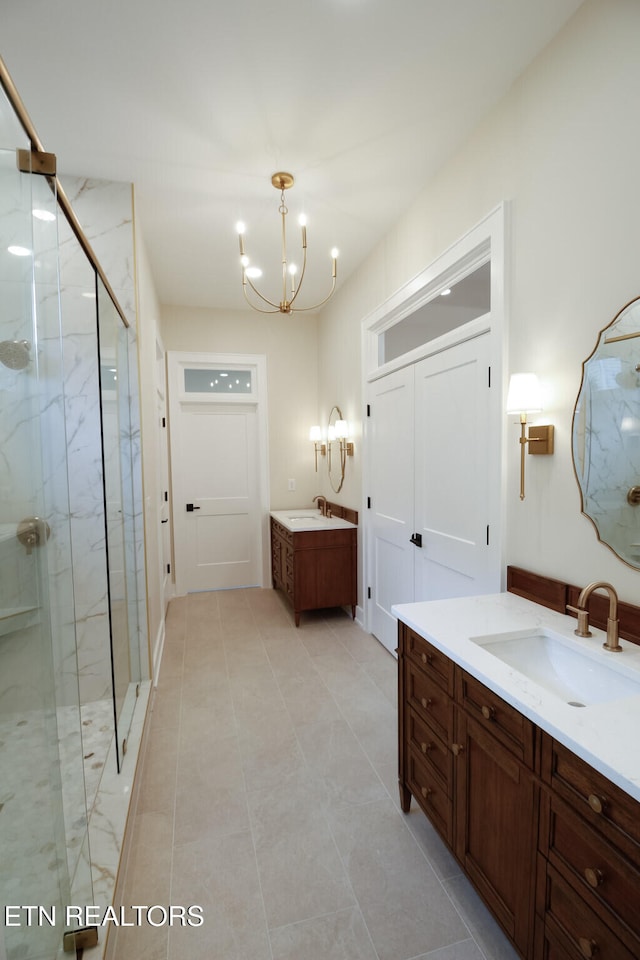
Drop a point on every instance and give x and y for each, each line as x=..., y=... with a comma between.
x=606, y=435
x=335, y=459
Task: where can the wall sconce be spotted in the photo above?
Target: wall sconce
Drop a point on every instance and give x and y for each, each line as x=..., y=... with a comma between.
x=346, y=446
x=315, y=435
x=525, y=396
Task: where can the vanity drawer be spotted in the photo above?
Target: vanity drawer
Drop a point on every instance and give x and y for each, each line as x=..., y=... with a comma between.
x=429, y=700
x=571, y=923
x=436, y=754
x=431, y=660
x=509, y=726
x=601, y=876
x=281, y=531
x=431, y=794
x=609, y=809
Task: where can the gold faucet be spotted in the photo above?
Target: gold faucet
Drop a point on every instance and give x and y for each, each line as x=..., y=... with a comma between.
x=322, y=504
x=582, y=630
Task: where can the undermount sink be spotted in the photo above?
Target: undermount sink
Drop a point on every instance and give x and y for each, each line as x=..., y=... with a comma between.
x=562, y=668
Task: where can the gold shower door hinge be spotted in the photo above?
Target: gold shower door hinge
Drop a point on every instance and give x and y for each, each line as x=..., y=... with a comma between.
x=81, y=939
x=36, y=161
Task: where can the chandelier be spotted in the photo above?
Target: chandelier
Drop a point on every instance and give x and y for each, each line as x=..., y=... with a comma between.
x=290, y=289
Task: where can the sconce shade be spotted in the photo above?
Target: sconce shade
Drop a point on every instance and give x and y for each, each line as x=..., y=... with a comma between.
x=342, y=429
x=315, y=434
x=524, y=395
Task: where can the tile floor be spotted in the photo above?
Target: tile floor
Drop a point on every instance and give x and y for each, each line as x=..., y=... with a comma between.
x=268, y=796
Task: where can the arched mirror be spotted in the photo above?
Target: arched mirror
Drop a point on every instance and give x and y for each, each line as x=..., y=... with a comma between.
x=606, y=435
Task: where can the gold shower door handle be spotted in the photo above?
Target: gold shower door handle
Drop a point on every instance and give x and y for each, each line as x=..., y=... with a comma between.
x=33, y=532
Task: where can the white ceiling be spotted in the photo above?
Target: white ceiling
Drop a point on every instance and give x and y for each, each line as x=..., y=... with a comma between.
x=198, y=102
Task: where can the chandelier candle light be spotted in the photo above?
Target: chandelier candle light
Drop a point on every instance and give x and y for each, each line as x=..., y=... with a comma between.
x=282, y=182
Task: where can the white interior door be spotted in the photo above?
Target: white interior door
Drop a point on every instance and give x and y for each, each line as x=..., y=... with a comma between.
x=456, y=459
x=389, y=438
x=434, y=477
x=217, y=467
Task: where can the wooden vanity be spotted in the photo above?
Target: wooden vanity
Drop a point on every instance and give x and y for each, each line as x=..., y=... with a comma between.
x=551, y=845
x=316, y=568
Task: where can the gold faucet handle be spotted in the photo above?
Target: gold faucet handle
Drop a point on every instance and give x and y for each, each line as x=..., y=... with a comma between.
x=582, y=630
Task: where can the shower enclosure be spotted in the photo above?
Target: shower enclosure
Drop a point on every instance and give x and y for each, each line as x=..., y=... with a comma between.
x=72, y=605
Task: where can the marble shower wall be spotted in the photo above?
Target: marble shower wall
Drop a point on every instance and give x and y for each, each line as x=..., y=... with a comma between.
x=104, y=210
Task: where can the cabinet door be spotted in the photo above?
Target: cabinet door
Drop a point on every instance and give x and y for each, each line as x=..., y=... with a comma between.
x=495, y=826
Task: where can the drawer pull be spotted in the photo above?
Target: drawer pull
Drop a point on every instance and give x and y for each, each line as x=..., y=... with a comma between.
x=596, y=803
x=593, y=876
x=425, y=747
x=426, y=792
x=588, y=948
x=426, y=703
x=457, y=749
x=427, y=658
x=488, y=712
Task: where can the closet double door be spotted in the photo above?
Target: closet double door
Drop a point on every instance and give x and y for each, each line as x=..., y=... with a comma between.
x=434, y=478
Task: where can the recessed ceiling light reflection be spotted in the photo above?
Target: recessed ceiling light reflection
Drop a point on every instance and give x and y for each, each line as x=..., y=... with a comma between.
x=47, y=215
x=19, y=251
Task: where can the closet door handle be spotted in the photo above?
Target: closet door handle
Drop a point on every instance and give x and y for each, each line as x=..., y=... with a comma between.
x=190, y=508
x=416, y=540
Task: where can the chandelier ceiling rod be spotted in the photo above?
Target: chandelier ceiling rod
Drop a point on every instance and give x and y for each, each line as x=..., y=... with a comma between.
x=282, y=181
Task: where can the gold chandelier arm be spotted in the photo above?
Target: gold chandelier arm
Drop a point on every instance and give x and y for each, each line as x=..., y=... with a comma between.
x=301, y=278
x=253, y=305
x=317, y=305
x=247, y=280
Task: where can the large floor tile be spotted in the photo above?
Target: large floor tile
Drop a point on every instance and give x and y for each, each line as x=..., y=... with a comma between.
x=405, y=907
x=269, y=797
x=337, y=936
x=482, y=926
x=219, y=875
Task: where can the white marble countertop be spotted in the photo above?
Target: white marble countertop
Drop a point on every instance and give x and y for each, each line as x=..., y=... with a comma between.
x=309, y=519
x=603, y=734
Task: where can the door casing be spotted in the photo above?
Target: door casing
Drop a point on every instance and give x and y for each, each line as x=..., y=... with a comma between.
x=177, y=363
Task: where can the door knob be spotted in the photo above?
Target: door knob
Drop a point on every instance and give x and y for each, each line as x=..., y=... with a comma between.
x=191, y=508
x=416, y=540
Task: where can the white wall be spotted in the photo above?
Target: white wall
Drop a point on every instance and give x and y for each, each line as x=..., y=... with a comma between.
x=562, y=148
x=148, y=326
x=290, y=344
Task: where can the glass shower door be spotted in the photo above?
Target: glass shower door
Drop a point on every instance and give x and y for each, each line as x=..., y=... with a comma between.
x=43, y=814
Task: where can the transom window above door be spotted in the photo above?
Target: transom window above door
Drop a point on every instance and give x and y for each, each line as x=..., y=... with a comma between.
x=449, y=309
x=218, y=380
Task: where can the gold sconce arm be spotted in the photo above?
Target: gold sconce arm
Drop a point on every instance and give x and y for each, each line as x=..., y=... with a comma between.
x=525, y=397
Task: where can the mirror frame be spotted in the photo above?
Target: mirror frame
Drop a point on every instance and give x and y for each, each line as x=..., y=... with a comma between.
x=336, y=489
x=580, y=399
